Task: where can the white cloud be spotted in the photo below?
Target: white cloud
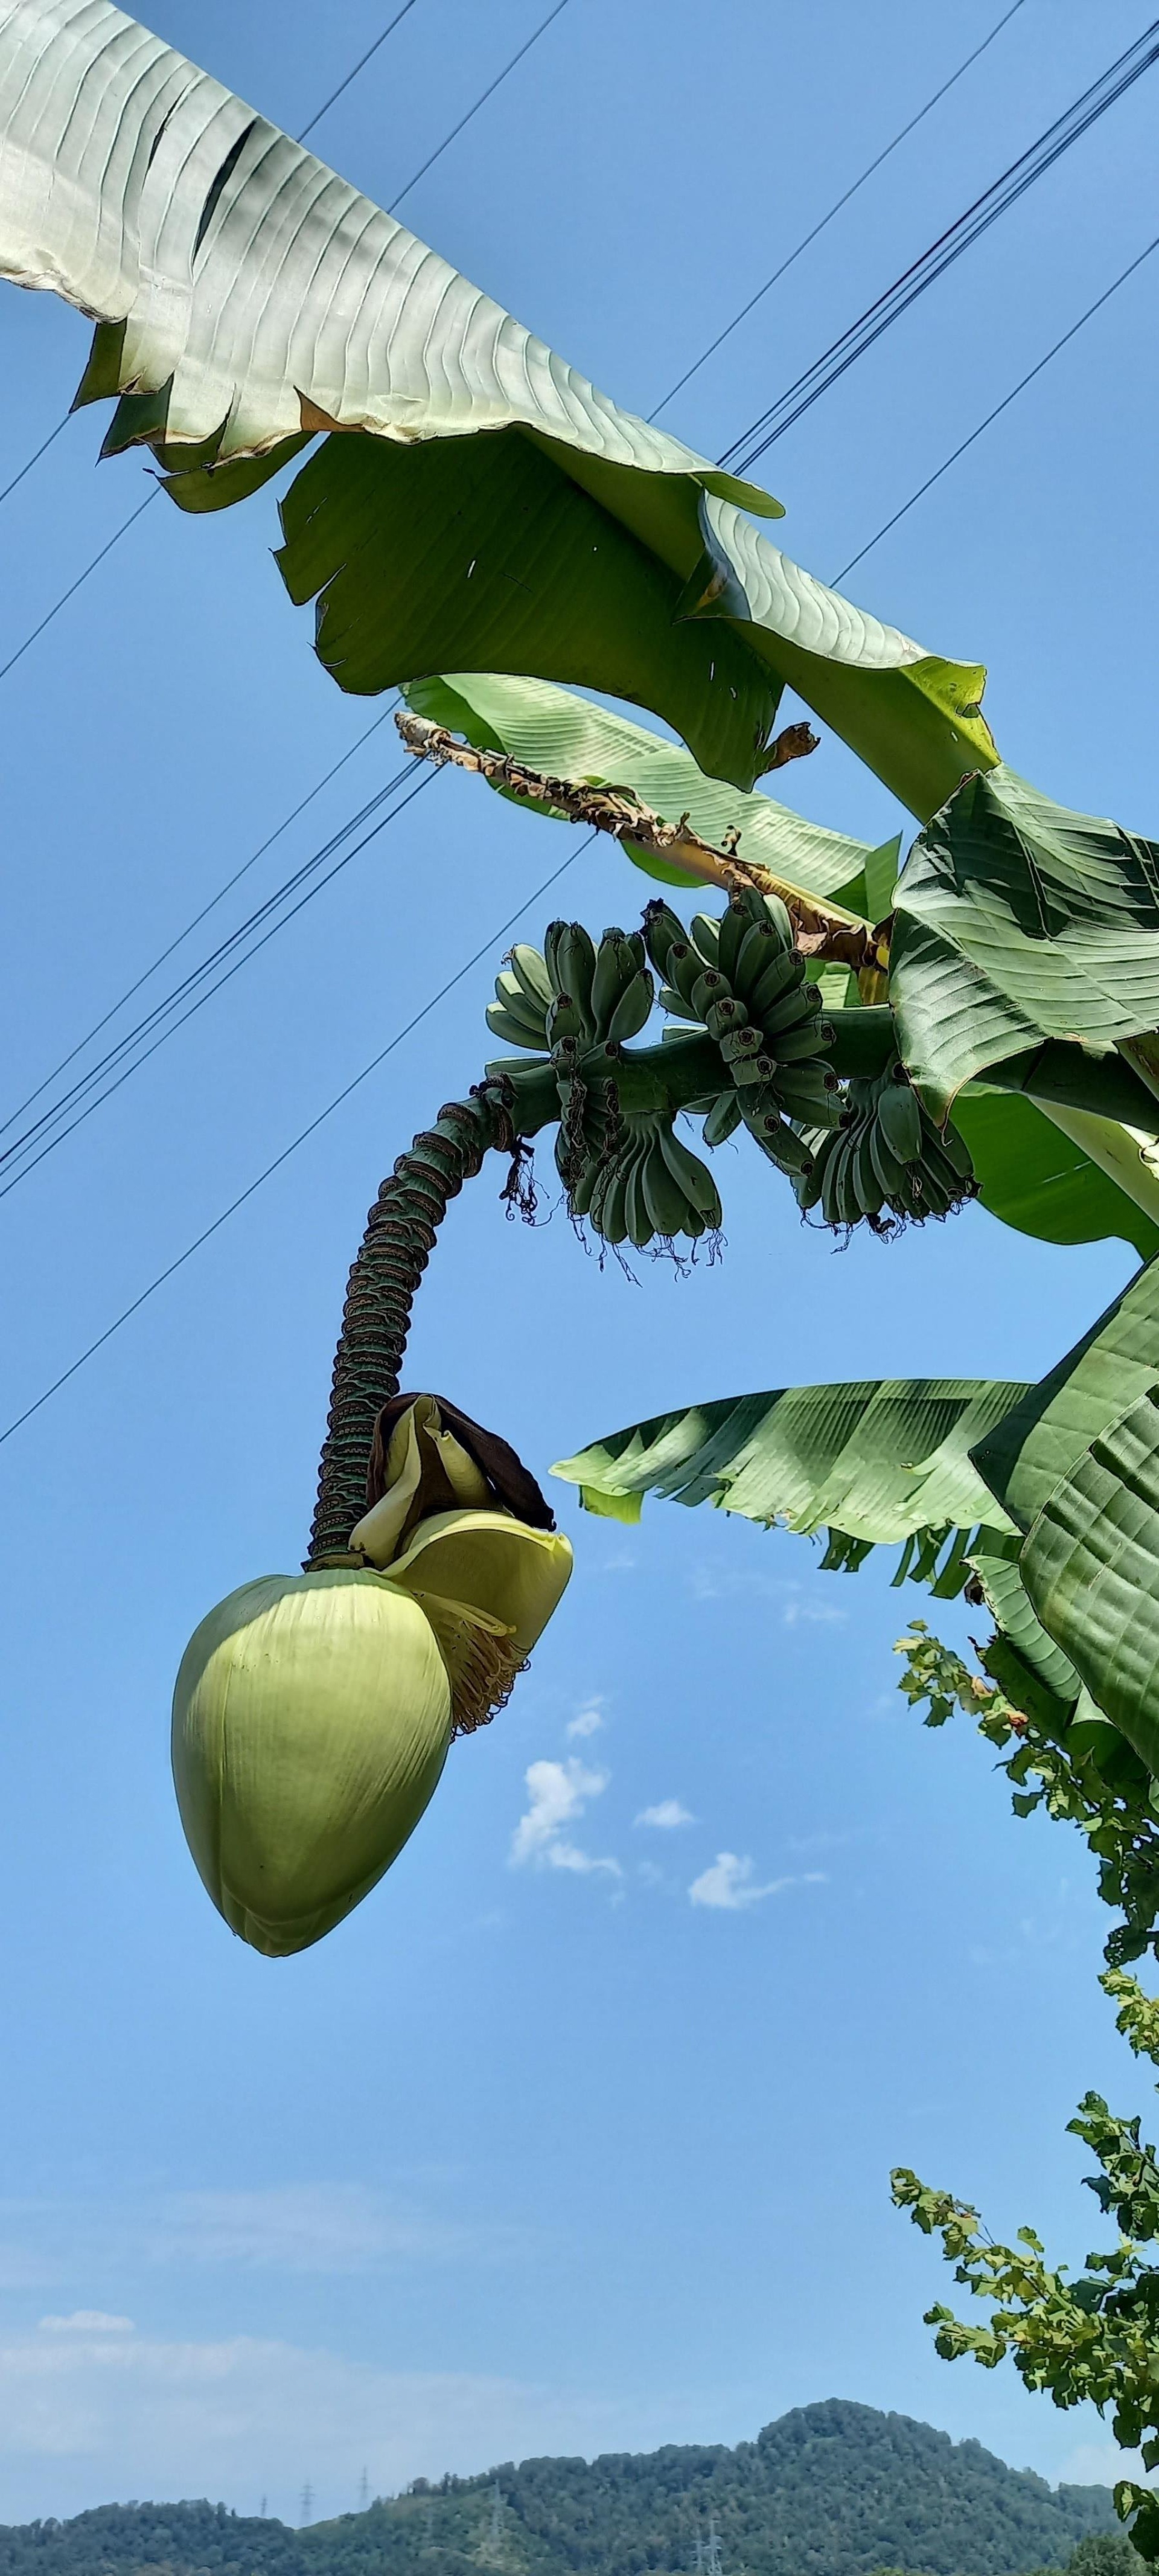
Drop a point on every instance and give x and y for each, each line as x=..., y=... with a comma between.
x=819, y=1614
x=82, y=2418
x=559, y=1794
x=87, y=2321
x=666, y=1815
x=728, y=1884
x=589, y=1721
x=302, y=2227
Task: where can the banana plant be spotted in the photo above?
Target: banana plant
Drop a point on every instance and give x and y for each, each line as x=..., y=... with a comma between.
x=474, y=503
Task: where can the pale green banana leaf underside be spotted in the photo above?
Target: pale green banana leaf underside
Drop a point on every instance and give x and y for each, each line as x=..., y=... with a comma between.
x=566, y=737
x=1039, y=1181
x=1019, y=921
x=880, y=1460
x=247, y=297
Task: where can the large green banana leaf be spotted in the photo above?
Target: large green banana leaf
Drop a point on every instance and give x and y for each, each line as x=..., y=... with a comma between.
x=880, y=1460
x=1076, y=1465
x=1042, y=1181
x=566, y=737
x=246, y=297
x=1018, y=922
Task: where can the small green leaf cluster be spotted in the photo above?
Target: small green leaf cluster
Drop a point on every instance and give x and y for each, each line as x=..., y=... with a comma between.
x=1093, y=2339
x=1119, y=1823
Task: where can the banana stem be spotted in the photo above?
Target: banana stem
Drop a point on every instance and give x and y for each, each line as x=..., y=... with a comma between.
x=395, y=1249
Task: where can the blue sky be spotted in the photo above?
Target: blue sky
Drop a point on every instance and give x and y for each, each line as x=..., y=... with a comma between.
x=529, y=2156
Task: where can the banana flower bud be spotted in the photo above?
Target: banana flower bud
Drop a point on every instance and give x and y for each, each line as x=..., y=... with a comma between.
x=313, y=1713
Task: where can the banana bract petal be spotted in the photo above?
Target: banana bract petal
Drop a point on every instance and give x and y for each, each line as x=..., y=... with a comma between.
x=491, y=1562
x=311, y=1720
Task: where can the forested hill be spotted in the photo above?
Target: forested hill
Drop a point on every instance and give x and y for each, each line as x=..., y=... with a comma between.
x=829, y=2490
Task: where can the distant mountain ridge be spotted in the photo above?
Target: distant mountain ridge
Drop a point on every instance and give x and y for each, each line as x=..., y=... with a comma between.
x=834, y=2489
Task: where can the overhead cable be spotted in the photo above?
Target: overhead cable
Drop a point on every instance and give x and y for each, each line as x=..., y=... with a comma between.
x=807, y=238
x=300, y=1139
x=999, y=408
x=164, y=954
x=960, y=236
x=481, y=101
x=60, y=1121
x=352, y=74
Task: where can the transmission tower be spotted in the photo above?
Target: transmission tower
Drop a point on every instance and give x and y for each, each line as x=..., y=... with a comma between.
x=307, y=2505
x=713, y=2562
x=363, y=2492
x=496, y=2532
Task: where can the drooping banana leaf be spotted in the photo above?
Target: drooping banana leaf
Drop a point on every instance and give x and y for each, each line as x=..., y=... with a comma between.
x=1019, y=922
x=879, y=1460
x=1076, y=1464
x=567, y=737
x=484, y=506
x=1041, y=1181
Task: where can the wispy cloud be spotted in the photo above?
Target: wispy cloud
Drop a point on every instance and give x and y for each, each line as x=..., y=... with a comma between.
x=666, y=1815
x=559, y=1793
x=819, y=1614
x=728, y=1885
x=301, y=2227
x=87, y=2321
x=588, y=1722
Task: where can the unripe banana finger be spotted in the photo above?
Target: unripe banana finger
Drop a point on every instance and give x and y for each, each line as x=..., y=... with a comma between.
x=662, y=930
x=513, y=1032
x=890, y=1173
x=709, y=987
x=663, y=1197
x=632, y=1010
x=723, y=1119
x=801, y=1002
x=705, y=928
x=676, y=1006
x=784, y=973
x=795, y=1046
x=640, y=1226
x=530, y=968
x=901, y=1119
x=870, y=1195
x=692, y=1176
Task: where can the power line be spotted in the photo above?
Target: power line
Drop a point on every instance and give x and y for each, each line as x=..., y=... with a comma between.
x=351, y=75
x=826, y=219
x=165, y=953
x=960, y=236
x=199, y=986
x=35, y=457
x=300, y=1139
x=74, y=586
x=481, y=101
x=999, y=408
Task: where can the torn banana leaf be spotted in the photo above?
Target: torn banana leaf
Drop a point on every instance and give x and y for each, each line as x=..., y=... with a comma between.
x=566, y=737
x=484, y=507
x=1019, y=922
x=878, y=1459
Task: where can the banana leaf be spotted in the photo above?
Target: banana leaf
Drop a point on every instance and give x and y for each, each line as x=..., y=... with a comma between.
x=880, y=1460
x=1039, y=1180
x=567, y=737
x=1076, y=1466
x=1018, y=922
x=247, y=298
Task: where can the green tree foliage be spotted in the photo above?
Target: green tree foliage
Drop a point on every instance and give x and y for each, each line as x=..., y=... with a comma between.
x=834, y=2489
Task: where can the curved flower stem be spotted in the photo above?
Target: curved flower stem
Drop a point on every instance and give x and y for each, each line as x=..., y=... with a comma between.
x=393, y=1255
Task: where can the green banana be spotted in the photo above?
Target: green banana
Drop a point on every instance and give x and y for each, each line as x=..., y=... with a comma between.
x=633, y=1009
x=807, y=1182
x=723, y=1119
x=684, y=969
x=709, y=987
x=503, y=1024
x=794, y=1046
x=720, y=1017
x=870, y=1195
x=785, y=972
x=565, y=1020
x=802, y=1002
x=758, y=950
x=706, y=933
x=956, y=1151
x=692, y=1176
x=662, y=930
x=617, y=966
x=640, y=1226
x=809, y=1091
x=575, y=966
x=607, y=1209
x=675, y=1005
x=664, y=1199
x=829, y=1178
x=890, y=1173
x=900, y=1113
x=847, y=1204
x=531, y=970
x=737, y=1043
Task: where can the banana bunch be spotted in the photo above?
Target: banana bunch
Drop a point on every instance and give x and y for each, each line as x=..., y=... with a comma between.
x=648, y=1187
x=886, y=1161
x=740, y=977
x=597, y=996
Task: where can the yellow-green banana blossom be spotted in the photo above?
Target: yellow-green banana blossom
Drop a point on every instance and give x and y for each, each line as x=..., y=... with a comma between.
x=313, y=1712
